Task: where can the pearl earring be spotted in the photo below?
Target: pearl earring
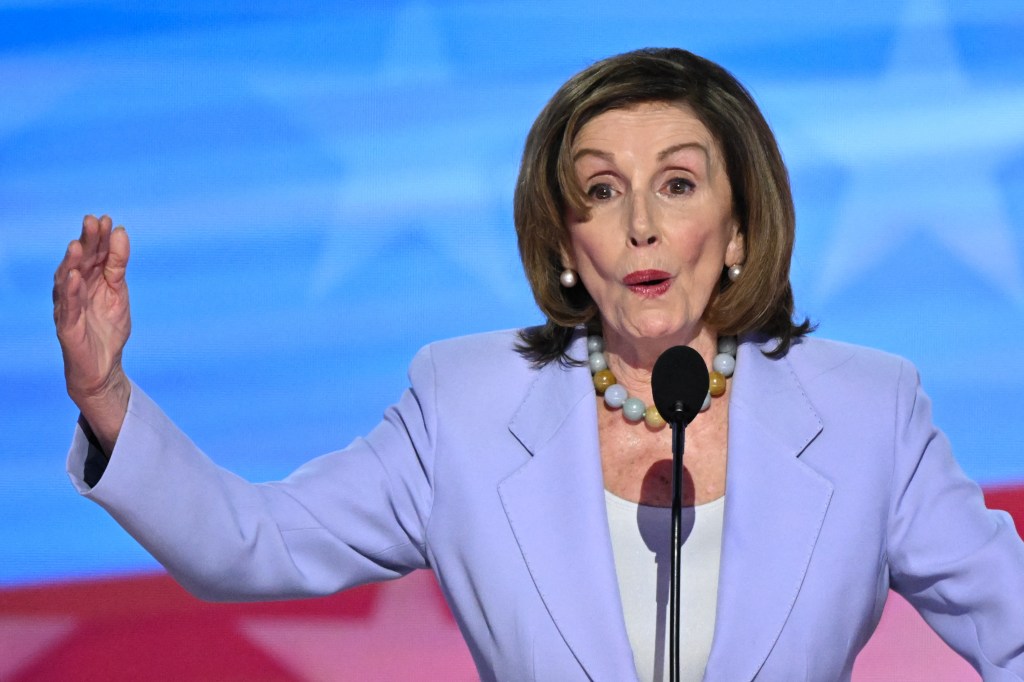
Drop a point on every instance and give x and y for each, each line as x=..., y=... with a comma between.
x=734, y=272
x=568, y=278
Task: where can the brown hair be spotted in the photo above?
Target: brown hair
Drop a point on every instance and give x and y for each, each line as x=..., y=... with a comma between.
x=762, y=298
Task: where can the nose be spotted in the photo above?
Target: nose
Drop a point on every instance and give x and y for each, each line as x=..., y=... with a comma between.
x=643, y=230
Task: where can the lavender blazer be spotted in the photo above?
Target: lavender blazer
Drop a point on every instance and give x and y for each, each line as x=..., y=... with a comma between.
x=487, y=471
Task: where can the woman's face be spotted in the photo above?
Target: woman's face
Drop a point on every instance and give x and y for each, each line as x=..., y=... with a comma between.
x=661, y=225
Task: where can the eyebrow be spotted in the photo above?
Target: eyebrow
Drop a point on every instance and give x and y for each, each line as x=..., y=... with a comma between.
x=587, y=151
x=669, y=151
x=662, y=155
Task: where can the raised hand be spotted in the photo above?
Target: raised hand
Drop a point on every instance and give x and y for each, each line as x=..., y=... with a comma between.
x=93, y=320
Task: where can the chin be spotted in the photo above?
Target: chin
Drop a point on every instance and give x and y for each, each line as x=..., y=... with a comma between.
x=663, y=329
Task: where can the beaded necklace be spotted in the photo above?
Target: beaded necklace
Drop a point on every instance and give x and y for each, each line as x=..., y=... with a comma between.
x=634, y=409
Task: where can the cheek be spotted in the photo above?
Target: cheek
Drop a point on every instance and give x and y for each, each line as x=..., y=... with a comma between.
x=698, y=247
x=592, y=248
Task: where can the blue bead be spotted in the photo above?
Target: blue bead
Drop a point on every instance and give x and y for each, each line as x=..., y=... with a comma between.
x=727, y=344
x=615, y=395
x=633, y=409
x=595, y=344
x=724, y=363
x=597, y=362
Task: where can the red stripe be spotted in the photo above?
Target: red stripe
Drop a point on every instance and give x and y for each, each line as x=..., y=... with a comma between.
x=1008, y=498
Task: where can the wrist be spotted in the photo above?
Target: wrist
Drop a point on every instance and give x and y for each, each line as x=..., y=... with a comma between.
x=113, y=389
x=104, y=410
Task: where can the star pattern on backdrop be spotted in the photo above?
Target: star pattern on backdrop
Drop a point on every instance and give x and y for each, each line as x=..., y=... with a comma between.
x=28, y=638
x=922, y=146
x=429, y=160
x=147, y=627
x=408, y=635
x=419, y=178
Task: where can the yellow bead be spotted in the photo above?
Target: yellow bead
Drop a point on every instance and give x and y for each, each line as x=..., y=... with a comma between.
x=653, y=418
x=602, y=380
x=716, y=385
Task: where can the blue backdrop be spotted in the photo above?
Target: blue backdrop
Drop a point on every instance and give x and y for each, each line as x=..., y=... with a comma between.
x=313, y=193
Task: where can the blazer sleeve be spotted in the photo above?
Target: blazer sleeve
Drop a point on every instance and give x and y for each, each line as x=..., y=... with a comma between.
x=961, y=565
x=349, y=517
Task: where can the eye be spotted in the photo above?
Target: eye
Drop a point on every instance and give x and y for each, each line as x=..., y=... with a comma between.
x=679, y=186
x=602, y=191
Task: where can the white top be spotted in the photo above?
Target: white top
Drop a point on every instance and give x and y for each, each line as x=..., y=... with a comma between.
x=640, y=541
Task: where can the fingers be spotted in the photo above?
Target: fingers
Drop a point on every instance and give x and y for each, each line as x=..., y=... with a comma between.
x=78, y=256
x=95, y=245
x=67, y=300
x=93, y=227
x=103, y=245
x=69, y=264
x=118, y=250
x=72, y=257
x=95, y=241
x=99, y=251
x=71, y=301
x=89, y=239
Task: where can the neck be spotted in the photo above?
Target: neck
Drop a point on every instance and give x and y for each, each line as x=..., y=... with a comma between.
x=632, y=361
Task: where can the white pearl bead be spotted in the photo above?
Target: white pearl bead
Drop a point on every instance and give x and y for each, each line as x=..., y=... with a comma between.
x=707, y=402
x=567, y=278
x=597, y=362
x=727, y=344
x=734, y=272
x=724, y=363
x=595, y=344
x=615, y=395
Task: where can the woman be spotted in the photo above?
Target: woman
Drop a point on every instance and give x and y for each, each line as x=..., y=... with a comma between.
x=653, y=207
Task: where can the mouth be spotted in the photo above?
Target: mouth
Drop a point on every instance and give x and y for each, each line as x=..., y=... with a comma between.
x=648, y=283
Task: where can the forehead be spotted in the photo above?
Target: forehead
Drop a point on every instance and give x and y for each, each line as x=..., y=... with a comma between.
x=650, y=125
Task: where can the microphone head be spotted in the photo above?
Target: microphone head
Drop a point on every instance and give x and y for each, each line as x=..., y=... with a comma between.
x=679, y=383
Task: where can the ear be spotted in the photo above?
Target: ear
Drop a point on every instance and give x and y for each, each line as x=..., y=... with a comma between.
x=736, y=250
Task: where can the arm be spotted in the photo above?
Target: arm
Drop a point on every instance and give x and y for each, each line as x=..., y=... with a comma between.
x=960, y=564
x=349, y=517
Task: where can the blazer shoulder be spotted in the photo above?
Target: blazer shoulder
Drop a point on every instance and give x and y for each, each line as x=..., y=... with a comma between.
x=475, y=354
x=839, y=373
x=476, y=365
x=814, y=358
x=485, y=344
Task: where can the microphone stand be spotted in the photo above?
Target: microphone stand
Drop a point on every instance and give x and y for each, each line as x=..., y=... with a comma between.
x=678, y=439
x=679, y=378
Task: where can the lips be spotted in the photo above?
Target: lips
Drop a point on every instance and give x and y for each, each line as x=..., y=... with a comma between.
x=648, y=283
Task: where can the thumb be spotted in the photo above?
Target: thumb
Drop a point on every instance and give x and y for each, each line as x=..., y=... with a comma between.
x=117, y=257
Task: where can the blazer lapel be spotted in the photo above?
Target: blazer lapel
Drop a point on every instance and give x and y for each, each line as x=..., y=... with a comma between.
x=774, y=510
x=555, y=505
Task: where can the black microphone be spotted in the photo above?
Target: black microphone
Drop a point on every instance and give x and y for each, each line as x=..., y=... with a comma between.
x=679, y=383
